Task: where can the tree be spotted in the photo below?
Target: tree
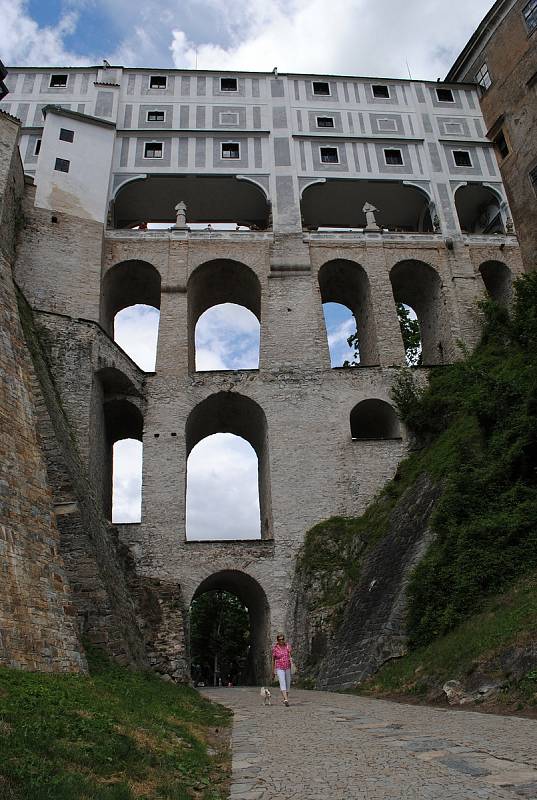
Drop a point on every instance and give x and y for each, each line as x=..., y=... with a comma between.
x=410, y=331
x=219, y=638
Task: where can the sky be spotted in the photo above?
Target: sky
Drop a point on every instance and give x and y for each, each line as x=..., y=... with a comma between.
x=384, y=38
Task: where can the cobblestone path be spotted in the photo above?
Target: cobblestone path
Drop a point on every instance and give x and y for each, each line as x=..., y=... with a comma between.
x=339, y=747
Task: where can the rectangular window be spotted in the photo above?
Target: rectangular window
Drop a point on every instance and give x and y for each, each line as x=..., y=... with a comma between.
x=228, y=85
x=462, y=158
x=230, y=150
x=58, y=81
x=325, y=122
x=153, y=150
x=501, y=144
x=483, y=77
x=380, y=91
x=445, y=95
x=530, y=16
x=393, y=157
x=329, y=155
x=158, y=82
x=37, y=147
x=62, y=165
x=155, y=116
x=321, y=88
x=228, y=118
x=66, y=135
x=387, y=124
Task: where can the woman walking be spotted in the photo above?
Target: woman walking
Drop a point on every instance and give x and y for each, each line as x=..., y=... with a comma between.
x=281, y=665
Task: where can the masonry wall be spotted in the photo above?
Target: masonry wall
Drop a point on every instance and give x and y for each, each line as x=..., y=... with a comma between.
x=38, y=627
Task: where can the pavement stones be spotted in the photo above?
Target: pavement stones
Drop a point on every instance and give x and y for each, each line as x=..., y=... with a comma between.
x=340, y=747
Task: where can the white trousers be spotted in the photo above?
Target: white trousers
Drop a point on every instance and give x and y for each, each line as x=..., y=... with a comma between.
x=284, y=677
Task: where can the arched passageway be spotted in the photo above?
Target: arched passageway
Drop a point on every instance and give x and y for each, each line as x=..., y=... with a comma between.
x=498, y=280
x=117, y=417
x=346, y=282
x=227, y=338
x=417, y=285
x=229, y=412
x=130, y=303
x=478, y=209
x=253, y=597
x=374, y=419
x=218, y=282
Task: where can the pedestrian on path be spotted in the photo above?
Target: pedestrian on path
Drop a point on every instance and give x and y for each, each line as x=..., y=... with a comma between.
x=281, y=665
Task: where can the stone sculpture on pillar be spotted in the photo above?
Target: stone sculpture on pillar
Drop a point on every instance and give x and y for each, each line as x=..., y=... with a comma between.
x=180, y=224
x=370, y=221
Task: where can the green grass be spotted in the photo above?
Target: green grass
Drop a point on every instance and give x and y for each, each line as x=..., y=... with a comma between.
x=508, y=620
x=114, y=735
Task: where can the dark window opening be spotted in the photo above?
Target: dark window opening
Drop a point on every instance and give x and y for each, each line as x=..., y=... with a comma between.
x=158, y=82
x=230, y=150
x=462, y=158
x=153, y=150
x=155, y=116
x=445, y=95
x=533, y=178
x=321, y=88
x=501, y=144
x=58, y=81
x=530, y=16
x=483, y=77
x=325, y=122
x=62, y=165
x=329, y=155
x=393, y=157
x=66, y=135
x=381, y=91
x=228, y=84
x=37, y=147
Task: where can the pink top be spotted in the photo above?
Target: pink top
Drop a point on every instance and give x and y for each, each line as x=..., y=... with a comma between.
x=281, y=653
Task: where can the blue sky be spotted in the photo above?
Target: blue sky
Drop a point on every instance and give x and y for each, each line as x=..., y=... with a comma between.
x=355, y=37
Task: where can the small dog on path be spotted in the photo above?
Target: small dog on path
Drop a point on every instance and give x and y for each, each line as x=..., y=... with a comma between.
x=266, y=695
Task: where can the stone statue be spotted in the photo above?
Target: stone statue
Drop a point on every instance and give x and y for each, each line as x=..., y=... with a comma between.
x=180, y=208
x=370, y=221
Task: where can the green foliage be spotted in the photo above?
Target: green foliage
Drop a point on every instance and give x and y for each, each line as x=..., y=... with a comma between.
x=219, y=638
x=116, y=735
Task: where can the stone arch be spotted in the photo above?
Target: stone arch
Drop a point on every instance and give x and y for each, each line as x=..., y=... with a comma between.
x=374, y=419
x=119, y=416
x=346, y=282
x=229, y=412
x=479, y=209
x=125, y=284
x=252, y=594
x=418, y=285
x=215, y=282
x=498, y=280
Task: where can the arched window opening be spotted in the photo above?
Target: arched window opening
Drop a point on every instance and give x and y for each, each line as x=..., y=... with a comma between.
x=136, y=332
x=220, y=646
x=411, y=334
x=222, y=490
x=127, y=481
x=238, y=466
x=498, y=280
x=374, y=419
x=227, y=338
x=216, y=283
x=478, y=209
x=252, y=666
x=342, y=335
x=417, y=285
x=128, y=284
x=346, y=283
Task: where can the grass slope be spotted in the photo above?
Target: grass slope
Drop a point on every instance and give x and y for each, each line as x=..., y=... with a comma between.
x=115, y=735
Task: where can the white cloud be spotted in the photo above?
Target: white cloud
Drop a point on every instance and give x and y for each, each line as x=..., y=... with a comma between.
x=222, y=489
x=136, y=331
x=127, y=481
x=23, y=41
x=227, y=337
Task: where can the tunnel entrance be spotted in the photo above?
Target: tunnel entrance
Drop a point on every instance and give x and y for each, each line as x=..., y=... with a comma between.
x=229, y=630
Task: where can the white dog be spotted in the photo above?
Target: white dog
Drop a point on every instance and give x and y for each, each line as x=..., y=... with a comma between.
x=266, y=695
